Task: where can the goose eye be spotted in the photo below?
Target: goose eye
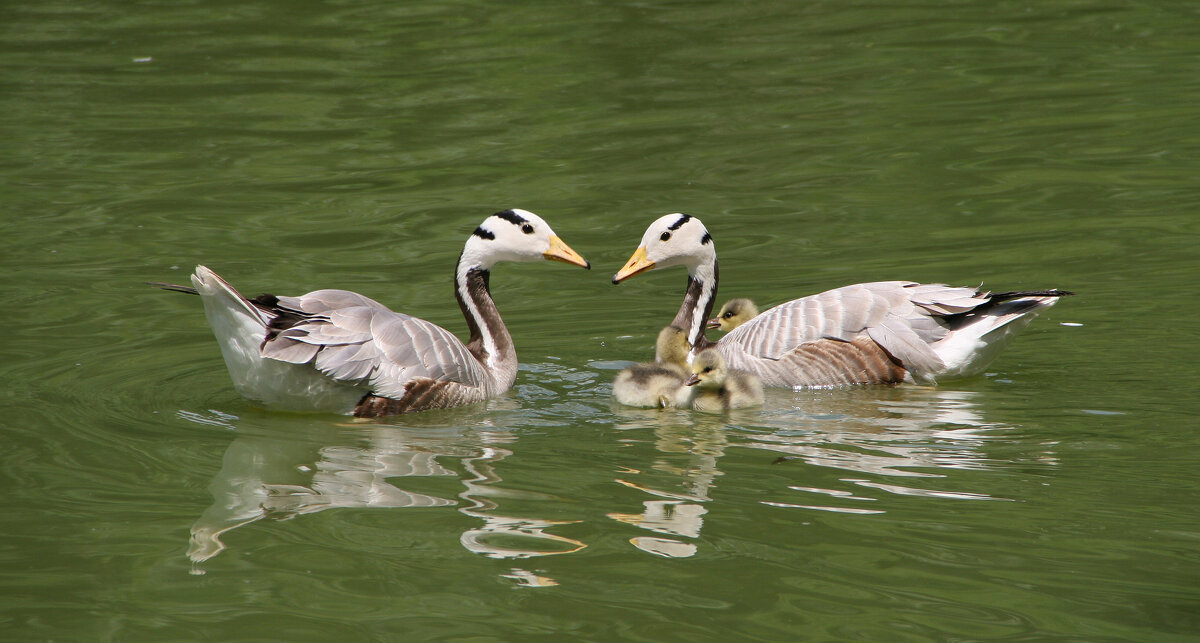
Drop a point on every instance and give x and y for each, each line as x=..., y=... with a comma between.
x=728, y=315
x=707, y=369
x=665, y=236
x=527, y=229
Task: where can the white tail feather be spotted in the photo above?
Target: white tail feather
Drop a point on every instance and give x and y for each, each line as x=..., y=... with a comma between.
x=969, y=349
x=240, y=328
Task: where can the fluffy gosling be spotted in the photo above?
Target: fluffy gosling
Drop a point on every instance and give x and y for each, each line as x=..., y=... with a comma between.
x=734, y=313
x=656, y=384
x=714, y=387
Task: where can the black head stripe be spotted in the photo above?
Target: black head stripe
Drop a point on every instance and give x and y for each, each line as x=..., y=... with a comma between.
x=683, y=218
x=484, y=234
x=707, y=238
x=511, y=217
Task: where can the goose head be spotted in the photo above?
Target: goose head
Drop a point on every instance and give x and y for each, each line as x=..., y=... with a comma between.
x=708, y=370
x=516, y=235
x=672, y=240
x=672, y=346
x=734, y=313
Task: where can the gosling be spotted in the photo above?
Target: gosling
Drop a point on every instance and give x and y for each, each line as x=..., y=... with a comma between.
x=656, y=384
x=734, y=313
x=713, y=387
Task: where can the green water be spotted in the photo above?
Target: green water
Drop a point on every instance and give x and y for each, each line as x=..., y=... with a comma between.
x=296, y=146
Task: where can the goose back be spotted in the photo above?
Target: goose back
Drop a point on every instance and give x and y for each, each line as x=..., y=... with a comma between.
x=880, y=332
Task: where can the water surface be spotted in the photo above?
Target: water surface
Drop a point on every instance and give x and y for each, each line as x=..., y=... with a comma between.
x=356, y=145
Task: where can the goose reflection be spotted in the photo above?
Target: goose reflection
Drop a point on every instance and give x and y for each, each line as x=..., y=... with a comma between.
x=888, y=441
x=490, y=539
x=896, y=432
x=893, y=437
x=315, y=466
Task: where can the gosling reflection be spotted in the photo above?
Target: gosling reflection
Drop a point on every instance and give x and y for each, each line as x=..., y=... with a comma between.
x=315, y=466
x=679, y=479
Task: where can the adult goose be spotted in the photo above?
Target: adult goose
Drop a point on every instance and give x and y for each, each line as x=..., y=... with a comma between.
x=871, y=333
x=336, y=350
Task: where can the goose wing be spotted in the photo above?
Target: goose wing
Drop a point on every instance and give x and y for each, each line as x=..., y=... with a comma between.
x=351, y=337
x=902, y=317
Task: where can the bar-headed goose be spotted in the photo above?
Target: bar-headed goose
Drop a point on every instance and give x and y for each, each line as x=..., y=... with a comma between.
x=734, y=313
x=655, y=384
x=714, y=387
x=880, y=332
x=336, y=350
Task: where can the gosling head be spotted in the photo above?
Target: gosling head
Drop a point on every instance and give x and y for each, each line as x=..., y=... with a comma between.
x=708, y=370
x=734, y=313
x=672, y=346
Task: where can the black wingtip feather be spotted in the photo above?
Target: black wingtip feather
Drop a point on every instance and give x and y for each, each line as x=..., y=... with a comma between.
x=1017, y=294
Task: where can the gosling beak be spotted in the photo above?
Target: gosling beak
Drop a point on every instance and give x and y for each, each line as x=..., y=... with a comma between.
x=715, y=322
x=560, y=251
x=636, y=265
x=693, y=380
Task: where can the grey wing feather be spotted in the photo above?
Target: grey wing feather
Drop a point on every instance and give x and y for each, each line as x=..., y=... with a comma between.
x=901, y=316
x=354, y=338
x=350, y=362
x=409, y=340
x=337, y=327
x=286, y=349
x=902, y=343
x=929, y=329
x=322, y=301
x=842, y=313
x=947, y=300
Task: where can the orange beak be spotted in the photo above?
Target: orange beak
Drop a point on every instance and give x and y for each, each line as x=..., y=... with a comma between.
x=560, y=251
x=636, y=265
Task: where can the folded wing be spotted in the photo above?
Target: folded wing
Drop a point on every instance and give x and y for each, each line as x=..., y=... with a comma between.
x=902, y=317
x=353, y=338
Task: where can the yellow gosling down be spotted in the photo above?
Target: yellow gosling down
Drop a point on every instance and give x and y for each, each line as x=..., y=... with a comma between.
x=656, y=384
x=713, y=387
x=734, y=313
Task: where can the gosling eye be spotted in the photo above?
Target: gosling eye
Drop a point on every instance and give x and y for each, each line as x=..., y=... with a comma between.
x=527, y=229
x=707, y=369
x=728, y=315
x=665, y=236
